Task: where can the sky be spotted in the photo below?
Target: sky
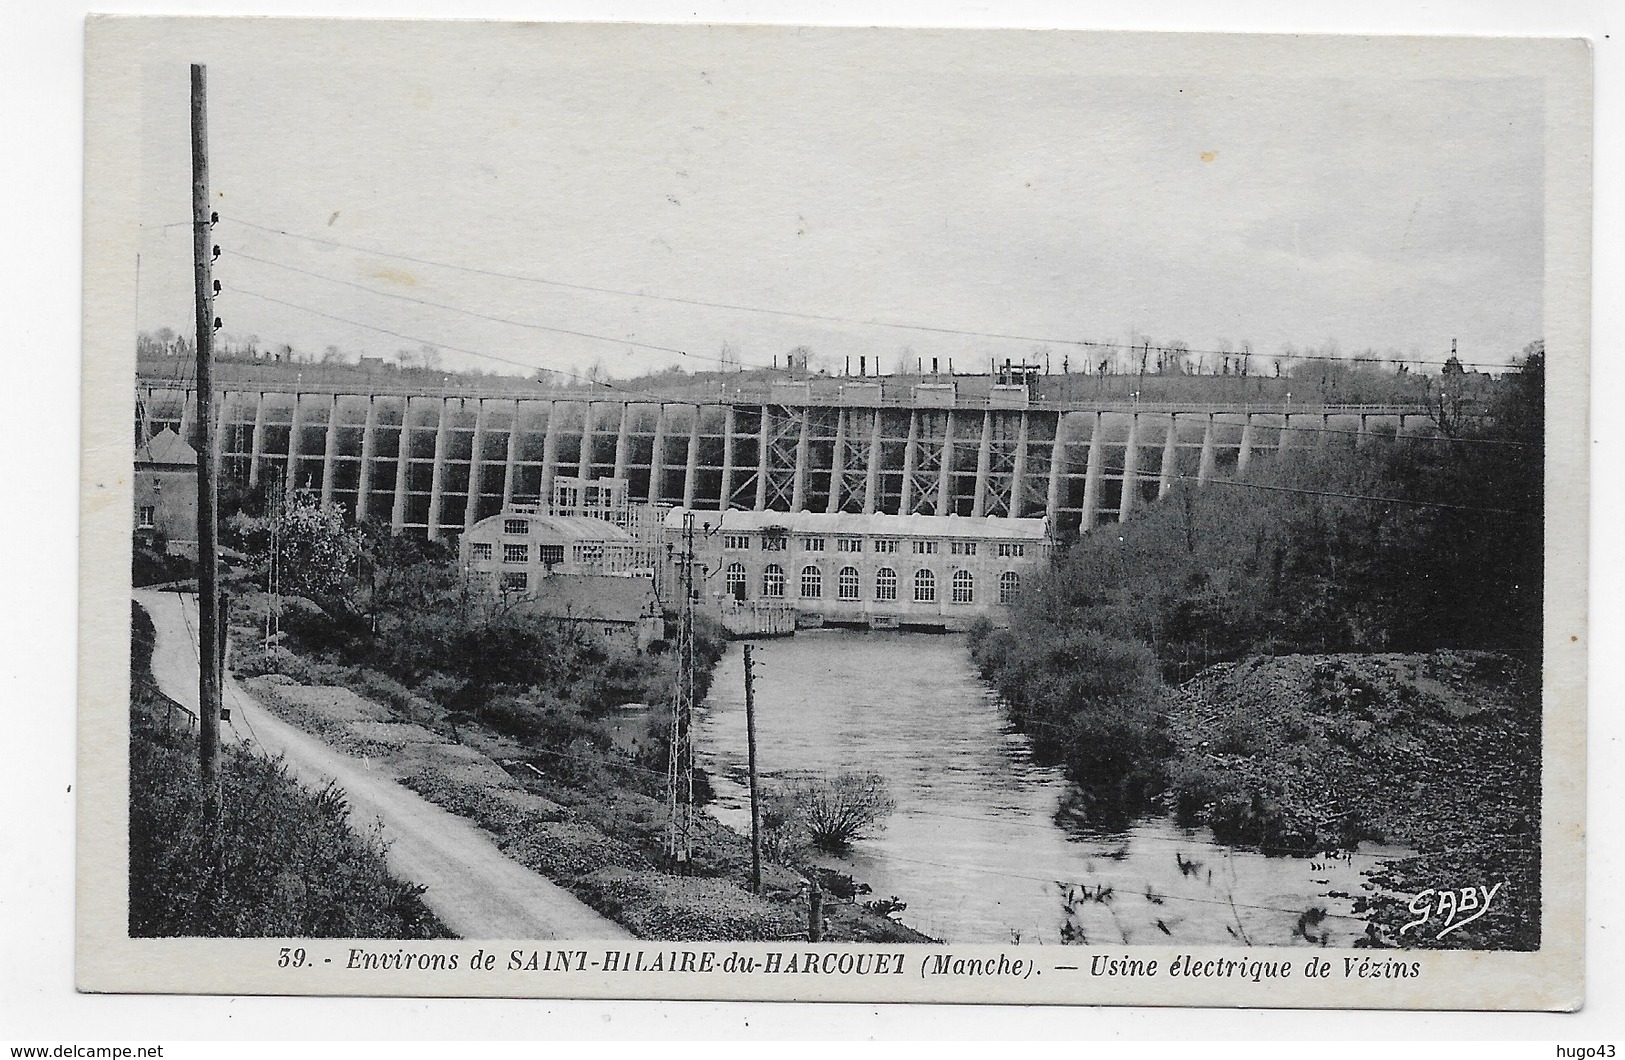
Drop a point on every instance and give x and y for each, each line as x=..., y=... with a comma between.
x=1048, y=187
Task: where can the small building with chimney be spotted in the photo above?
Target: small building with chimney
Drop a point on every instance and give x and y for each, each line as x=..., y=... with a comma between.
x=165, y=491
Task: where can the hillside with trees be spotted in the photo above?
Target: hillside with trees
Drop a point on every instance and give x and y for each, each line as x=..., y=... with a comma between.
x=1345, y=646
x=1412, y=545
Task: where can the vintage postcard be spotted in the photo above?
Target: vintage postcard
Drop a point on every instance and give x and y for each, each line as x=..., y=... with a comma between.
x=630, y=511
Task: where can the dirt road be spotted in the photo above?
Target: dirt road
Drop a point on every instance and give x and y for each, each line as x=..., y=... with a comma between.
x=476, y=890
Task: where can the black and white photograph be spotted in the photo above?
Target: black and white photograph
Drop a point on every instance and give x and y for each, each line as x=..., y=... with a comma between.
x=1053, y=516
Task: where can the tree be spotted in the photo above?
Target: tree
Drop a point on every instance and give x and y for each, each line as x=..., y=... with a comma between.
x=315, y=552
x=402, y=574
x=832, y=812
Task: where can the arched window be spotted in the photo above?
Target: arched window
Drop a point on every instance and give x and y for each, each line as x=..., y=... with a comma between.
x=812, y=583
x=885, y=584
x=773, y=582
x=925, y=586
x=1009, y=587
x=964, y=587
x=735, y=580
x=847, y=585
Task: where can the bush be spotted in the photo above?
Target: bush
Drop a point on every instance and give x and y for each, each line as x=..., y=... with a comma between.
x=288, y=863
x=151, y=564
x=1088, y=696
x=830, y=812
x=658, y=906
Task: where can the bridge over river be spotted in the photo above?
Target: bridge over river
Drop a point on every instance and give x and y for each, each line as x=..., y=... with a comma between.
x=435, y=460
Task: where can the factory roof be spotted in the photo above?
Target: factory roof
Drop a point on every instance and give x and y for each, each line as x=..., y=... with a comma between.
x=568, y=527
x=592, y=597
x=876, y=525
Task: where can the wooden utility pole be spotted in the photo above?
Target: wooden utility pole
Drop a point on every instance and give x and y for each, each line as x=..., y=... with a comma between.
x=815, y=913
x=755, y=804
x=207, y=573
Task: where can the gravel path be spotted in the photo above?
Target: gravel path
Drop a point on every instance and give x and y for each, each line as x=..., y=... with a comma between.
x=476, y=890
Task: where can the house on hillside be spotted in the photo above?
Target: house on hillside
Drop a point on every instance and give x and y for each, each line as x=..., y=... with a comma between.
x=166, y=493
x=621, y=609
x=517, y=549
x=574, y=570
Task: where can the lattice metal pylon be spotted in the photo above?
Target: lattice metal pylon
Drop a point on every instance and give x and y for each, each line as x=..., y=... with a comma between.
x=680, y=761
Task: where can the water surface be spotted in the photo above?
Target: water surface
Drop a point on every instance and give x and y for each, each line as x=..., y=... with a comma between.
x=974, y=847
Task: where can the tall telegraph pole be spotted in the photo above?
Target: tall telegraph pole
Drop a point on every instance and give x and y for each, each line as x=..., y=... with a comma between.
x=755, y=805
x=207, y=581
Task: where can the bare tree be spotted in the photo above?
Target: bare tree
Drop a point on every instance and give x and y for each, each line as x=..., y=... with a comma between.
x=834, y=811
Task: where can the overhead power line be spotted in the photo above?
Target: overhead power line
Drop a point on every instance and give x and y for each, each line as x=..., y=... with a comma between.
x=734, y=306
x=860, y=321
x=418, y=339
x=1152, y=476
x=1355, y=496
x=1296, y=427
x=1248, y=354
x=480, y=316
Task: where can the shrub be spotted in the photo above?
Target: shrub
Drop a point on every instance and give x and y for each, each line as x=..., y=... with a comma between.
x=151, y=564
x=1088, y=696
x=834, y=811
x=289, y=865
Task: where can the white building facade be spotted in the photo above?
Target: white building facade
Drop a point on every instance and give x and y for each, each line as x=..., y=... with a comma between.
x=875, y=571
x=512, y=552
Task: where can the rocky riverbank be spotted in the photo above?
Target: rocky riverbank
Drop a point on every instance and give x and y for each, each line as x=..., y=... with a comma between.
x=1438, y=752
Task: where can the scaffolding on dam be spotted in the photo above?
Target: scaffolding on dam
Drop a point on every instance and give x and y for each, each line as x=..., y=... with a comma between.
x=436, y=463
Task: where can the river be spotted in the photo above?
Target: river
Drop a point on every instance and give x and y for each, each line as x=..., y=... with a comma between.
x=975, y=848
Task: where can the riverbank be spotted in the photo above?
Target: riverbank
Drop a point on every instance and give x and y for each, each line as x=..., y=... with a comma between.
x=555, y=784
x=1438, y=752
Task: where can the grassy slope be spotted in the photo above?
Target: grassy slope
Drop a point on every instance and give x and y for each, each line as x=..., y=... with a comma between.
x=290, y=864
x=582, y=814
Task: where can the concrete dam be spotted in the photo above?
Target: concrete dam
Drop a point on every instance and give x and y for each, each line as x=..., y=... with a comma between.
x=434, y=461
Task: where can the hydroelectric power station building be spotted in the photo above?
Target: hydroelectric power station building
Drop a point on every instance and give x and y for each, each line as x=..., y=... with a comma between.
x=935, y=463
x=876, y=571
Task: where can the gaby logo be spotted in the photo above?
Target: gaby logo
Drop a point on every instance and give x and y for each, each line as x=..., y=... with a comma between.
x=1453, y=908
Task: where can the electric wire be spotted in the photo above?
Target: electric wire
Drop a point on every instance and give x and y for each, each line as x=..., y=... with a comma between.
x=1119, y=885
x=194, y=641
x=443, y=345
x=833, y=318
x=470, y=312
x=1143, y=476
